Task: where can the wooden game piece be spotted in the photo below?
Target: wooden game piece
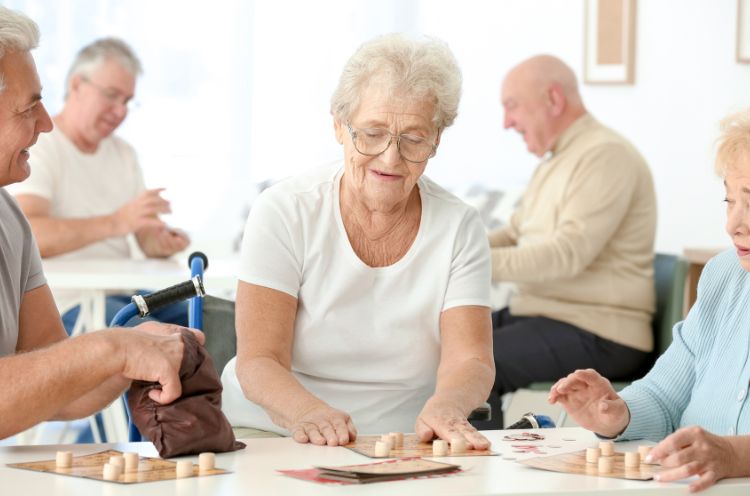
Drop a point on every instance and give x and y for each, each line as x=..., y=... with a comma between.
x=644, y=450
x=607, y=448
x=206, y=461
x=64, y=459
x=605, y=464
x=458, y=445
x=111, y=472
x=440, y=447
x=592, y=455
x=117, y=460
x=632, y=459
x=398, y=439
x=132, y=460
x=382, y=449
x=184, y=468
x=387, y=439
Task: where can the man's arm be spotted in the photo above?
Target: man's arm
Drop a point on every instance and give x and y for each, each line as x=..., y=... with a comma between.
x=599, y=197
x=56, y=236
x=53, y=377
x=161, y=242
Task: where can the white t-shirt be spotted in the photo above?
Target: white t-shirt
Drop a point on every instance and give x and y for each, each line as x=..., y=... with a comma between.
x=80, y=185
x=366, y=340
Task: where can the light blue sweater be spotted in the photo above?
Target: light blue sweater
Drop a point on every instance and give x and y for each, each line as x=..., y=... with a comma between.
x=702, y=379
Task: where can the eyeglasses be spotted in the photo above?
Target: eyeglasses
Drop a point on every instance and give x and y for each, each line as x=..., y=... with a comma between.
x=374, y=141
x=112, y=96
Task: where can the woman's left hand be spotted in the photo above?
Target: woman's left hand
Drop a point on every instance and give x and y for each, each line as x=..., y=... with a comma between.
x=446, y=421
x=693, y=451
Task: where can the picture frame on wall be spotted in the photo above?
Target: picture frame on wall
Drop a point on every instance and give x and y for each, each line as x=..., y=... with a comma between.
x=743, y=31
x=609, y=42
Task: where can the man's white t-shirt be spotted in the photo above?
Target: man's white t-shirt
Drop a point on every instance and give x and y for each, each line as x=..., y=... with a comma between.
x=366, y=340
x=81, y=185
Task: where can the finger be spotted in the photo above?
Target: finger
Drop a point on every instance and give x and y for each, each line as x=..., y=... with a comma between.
x=677, y=473
x=424, y=431
x=352, y=430
x=705, y=481
x=329, y=433
x=674, y=442
x=171, y=389
x=477, y=440
x=341, y=430
x=314, y=434
x=299, y=435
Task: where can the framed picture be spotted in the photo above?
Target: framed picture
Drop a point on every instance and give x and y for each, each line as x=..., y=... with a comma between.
x=743, y=31
x=609, y=42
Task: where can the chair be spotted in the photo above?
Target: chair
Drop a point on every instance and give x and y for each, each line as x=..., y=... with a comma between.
x=670, y=273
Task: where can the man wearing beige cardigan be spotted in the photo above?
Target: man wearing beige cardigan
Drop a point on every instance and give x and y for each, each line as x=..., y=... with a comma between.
x=580, y=245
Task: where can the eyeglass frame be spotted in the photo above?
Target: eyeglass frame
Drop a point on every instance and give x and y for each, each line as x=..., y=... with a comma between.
x=113, y=96
x=354, y=133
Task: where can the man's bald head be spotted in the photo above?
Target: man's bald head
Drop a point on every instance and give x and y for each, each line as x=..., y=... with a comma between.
x=541, y=100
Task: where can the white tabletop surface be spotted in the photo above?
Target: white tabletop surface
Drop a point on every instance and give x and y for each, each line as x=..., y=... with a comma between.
x=255, y=472
x=220, y=276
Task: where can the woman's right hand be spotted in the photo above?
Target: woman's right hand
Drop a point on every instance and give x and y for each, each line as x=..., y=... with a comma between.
x=591, y=401
x=320, y=424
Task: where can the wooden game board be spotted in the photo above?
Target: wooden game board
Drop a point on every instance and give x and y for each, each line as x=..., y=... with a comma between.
x=365, y=445
x=90, y=467
x=575, y=463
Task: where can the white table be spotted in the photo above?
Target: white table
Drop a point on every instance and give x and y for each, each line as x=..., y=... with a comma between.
x=254, y=472
x=92, y=280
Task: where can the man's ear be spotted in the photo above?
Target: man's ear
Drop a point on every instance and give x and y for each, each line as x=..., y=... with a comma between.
x=74, y=83
x=339, y=130
x=556, y=100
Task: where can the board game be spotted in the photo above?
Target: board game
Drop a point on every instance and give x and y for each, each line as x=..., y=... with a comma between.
x=575, y=463
x=90, y=467
x=413, y=447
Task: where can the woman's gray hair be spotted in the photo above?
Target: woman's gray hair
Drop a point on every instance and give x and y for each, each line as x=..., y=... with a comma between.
x=17, y=33
x=93, y=55
x=417, y=70
x=733, y=144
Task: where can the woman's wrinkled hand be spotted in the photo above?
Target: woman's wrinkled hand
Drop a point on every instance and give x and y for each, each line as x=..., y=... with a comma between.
x=321, y=425
x=445, y=421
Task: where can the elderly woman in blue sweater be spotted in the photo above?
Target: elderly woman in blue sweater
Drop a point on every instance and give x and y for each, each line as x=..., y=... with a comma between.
x=696, y=396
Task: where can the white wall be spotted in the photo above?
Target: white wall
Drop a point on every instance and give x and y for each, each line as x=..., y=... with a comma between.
x=238, y=92
x=686, y=81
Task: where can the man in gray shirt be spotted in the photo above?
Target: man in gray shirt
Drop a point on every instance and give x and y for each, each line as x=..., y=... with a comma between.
x=46, y=375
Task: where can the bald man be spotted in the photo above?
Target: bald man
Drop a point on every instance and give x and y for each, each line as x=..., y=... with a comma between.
x=580, y=245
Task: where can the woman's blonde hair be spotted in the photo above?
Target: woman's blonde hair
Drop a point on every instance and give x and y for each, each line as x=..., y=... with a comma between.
x=733, y=145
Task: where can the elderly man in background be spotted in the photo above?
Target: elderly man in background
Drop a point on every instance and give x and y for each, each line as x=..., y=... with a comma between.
x=87, y=193
x=580, y=245
x=363, y=301
x=45, y=374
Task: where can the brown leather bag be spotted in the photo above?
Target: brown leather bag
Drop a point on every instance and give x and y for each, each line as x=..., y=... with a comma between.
x=194, y=422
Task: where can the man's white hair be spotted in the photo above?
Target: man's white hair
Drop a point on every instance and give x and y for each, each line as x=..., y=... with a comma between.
x=93, y=55
x=17, y=33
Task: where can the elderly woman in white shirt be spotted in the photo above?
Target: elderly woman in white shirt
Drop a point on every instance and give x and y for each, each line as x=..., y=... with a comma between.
x=363, y=301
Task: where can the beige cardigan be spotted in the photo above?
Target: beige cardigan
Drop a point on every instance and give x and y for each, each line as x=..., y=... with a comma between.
x=580, y=245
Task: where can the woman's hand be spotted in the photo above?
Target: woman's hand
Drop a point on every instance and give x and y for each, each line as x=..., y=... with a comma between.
x=445, y=421
x=591, y=401
x=321, y=425
x=693, y=451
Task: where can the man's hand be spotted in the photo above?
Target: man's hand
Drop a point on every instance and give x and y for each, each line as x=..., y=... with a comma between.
x=153, y=352
x=141, y=212
x=591, y=401
x=162, y=242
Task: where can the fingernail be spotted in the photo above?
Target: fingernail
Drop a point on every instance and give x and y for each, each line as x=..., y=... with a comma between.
x=648, y=458
x=657, y=477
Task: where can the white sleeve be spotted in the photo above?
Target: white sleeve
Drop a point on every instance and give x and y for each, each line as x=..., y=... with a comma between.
x=470, y=277
x=272, y=244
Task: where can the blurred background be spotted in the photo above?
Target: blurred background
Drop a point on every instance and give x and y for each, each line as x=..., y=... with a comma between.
x=235, y=93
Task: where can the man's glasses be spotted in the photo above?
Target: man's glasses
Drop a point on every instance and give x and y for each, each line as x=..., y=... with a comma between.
x=112, y=96
x=374, y=141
